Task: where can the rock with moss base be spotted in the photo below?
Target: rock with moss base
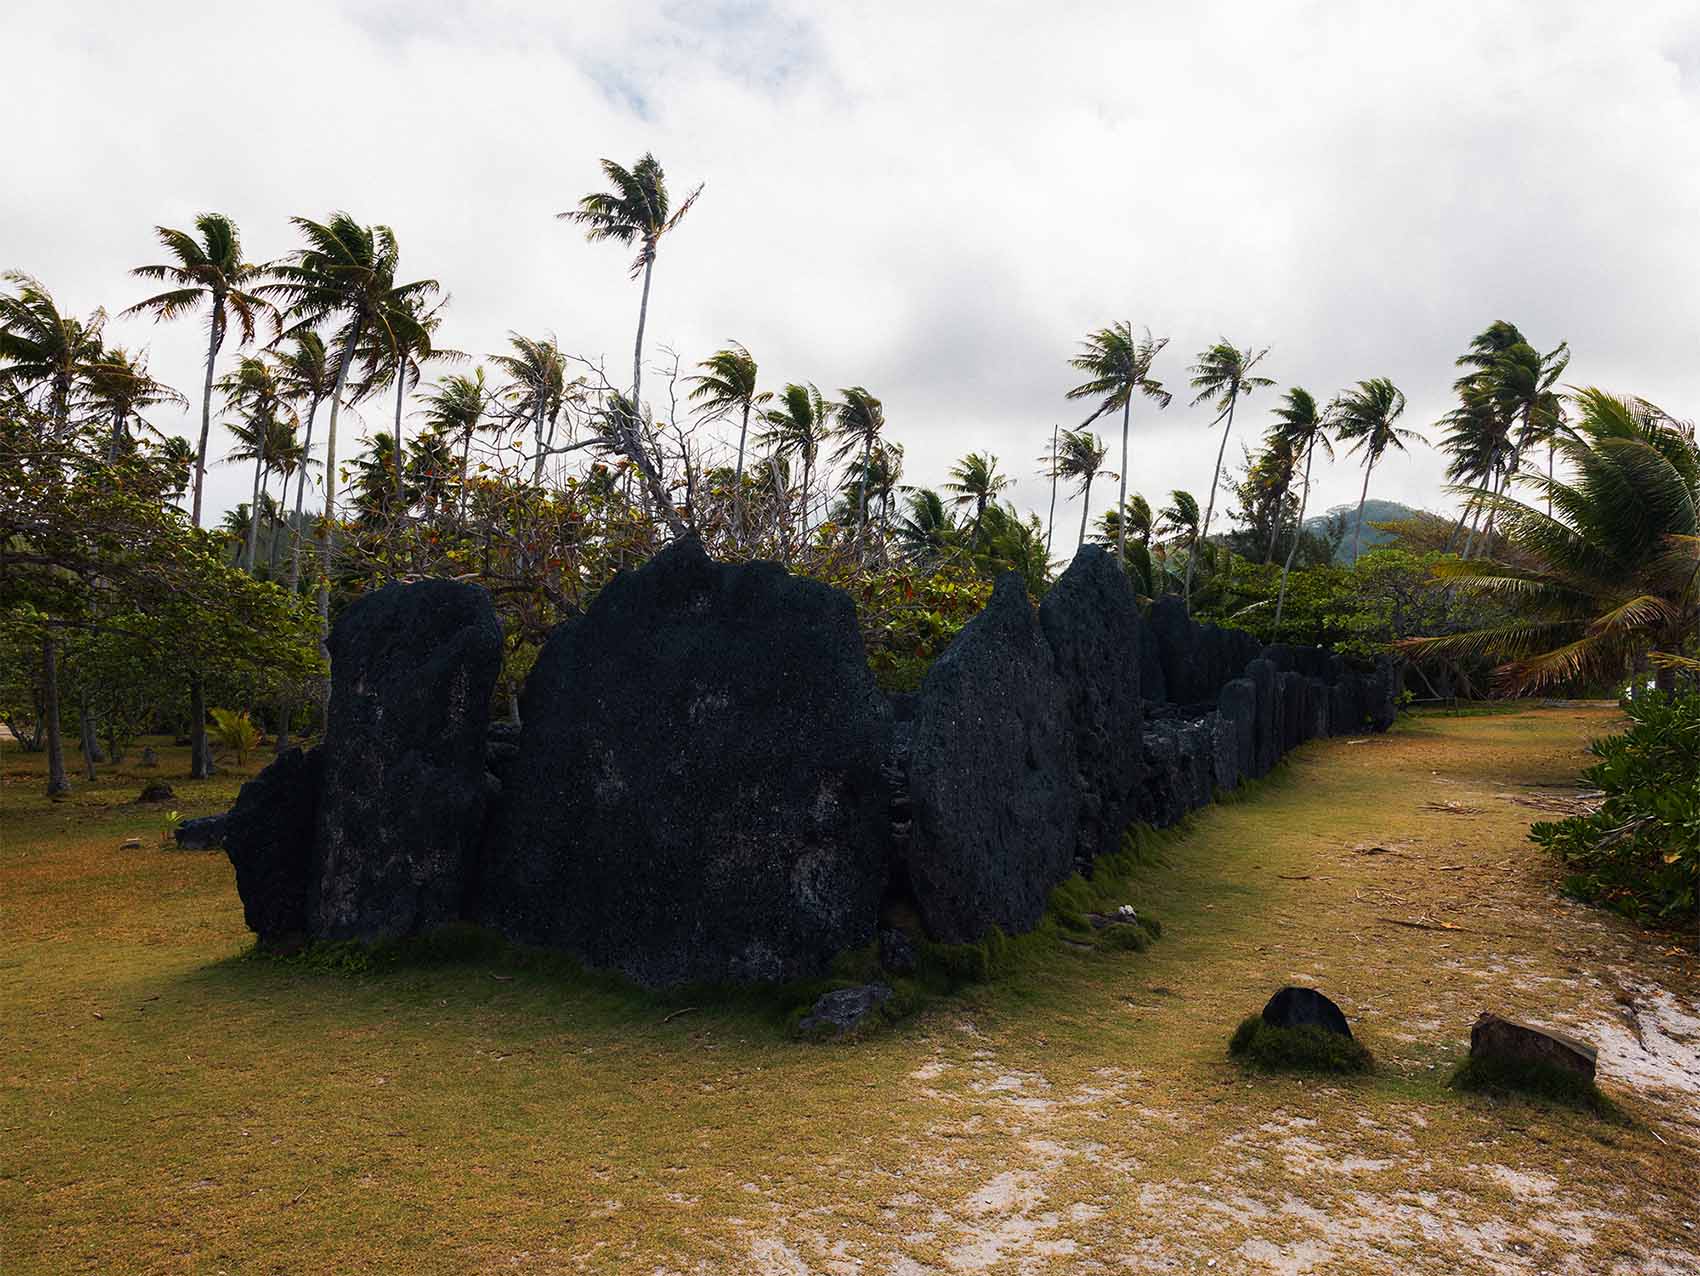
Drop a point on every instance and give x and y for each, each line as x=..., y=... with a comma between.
x=698, y=793
x=1091, y=621
x=1509, y=1046
x=1295, y=1007
x=402, y=803
x=992, y=776
x=268, y=836
x=844, y=1010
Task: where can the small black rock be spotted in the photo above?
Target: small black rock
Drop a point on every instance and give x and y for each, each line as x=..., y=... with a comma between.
x=1300, y=1007
x=156, y=791
x=203, y=834
x=843, y=1010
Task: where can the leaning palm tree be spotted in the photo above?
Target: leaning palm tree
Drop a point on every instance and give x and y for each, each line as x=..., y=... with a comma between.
x=1366, y=417
x=1119, y=368
x=536, y=392
x=974, y=480
x=206, y=269
x=728, y=384
x=797, y=427
x=1080, y=459
x=304, y=373
x=638, y=210
x=45, y=351
x=1523, y=386
x=455, y=410
x=1302, y=428
x=345, y=275
x=1222, y=375
x=860, y=419
x=1609, y=582
x=927, y=533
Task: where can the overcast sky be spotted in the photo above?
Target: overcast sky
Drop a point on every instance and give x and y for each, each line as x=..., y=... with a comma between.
x=932, y=200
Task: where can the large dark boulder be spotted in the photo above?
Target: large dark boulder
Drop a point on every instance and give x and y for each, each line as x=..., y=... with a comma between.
x=1520, y=1046
x=1381, y=694
x=1294, y=1007
x=1293, y=693
x=1316, y=708
x=1090, y=618
x=1346, y=702
x=1237, y=706
x=1161, y=798
x=992, y=776
x=698, y=793
x=1226, y=747
x=268, y=836
x=402, y=806
x=1178, y=650
x=1153, y=687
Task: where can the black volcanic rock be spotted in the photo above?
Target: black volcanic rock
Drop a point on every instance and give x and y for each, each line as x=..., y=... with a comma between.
x=698, y=794
x=992, y=776
x=1265, y=730
x=1090, y=619
x=1294, y=1007
x=402, y=804
x=268, y=836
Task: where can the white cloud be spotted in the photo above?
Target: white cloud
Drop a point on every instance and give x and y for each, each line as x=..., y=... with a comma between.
x=934, y=201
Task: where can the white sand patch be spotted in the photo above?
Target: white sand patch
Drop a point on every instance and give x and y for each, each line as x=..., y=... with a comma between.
x=1289, y=1260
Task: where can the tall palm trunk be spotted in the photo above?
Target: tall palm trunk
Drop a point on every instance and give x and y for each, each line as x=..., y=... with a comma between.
x=1051, y=521
x=460, y=501
x=57, y=784
x=85, y=729
x=1210, y=509
x=1358, y=528
x=1121, y=493
x=1275, y=522
x=1085, y=510
x=1298, y=530
x=215, y=339
x=537, y=437
x=808, y=473
x=400, y=465
x=738, y=476
x=330, y=503
x=254, y=505
x=643, y=318
x=117, y=435
x=300, y=491
x=862, y=492
x=276, y=517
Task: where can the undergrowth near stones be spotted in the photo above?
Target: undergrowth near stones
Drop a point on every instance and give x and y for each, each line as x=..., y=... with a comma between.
x=1303, y=1049
x=1504, y=1079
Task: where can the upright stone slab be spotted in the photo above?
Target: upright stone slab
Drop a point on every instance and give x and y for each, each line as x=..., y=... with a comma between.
x=1237, y=705
x=268, y=836
x=1381, y=693
x=698, y=794
x=1293, y=694
x=402, y=802
x=992, y=776
x=1265, y=730
x=1153, y=687
x=1178, y=649
x=1090, y=619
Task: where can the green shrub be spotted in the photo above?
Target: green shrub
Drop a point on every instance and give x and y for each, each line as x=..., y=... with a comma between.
x=1305, y=1049
x=1540, y=1080
x=235, y=732
x=1639, y=853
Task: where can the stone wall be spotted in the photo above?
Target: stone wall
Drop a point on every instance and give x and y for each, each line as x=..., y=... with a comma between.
x=709, y=787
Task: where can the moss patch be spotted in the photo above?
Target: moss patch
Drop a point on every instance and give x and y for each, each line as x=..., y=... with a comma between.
x=1304, y=1049
x=1533, y=1080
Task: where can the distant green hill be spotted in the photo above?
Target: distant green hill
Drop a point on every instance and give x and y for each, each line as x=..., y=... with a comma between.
x=1374, y=512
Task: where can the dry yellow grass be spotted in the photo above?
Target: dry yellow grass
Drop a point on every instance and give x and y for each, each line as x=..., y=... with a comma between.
x=169, y=1108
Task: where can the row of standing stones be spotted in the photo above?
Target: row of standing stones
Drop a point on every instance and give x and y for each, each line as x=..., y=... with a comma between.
x=709, y=786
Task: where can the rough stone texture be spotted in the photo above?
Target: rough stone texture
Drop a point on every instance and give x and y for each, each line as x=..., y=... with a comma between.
x=1265, y=724
x=1507, y=1041
x=698, y=794
x=1153, y=687
x=1225, y=740
x=1305, y=1007
x=992, y=776
x=843, y=1010
x=268, y=836
x=1178, y=650
x=203, y=834
x=1381, y=692
x=1346, y=703
x=1090, y=618
x=1316, y=708
x=1291, y=695
x=156, y=791
x=897, y=953
x=402, y=808
x=1237, y=704
x=1160, y=803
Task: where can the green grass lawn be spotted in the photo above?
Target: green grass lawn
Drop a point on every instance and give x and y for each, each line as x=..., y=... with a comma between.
x=171, y=1105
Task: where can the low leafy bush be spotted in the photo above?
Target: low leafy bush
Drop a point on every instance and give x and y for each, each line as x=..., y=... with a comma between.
x=1306, y=1049
x=1639, y=853
x=235, y=732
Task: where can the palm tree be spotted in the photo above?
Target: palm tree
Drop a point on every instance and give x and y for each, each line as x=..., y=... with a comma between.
x=1134, y=516
x=1523, y=381
x=1178, y=521
x=345, y=275
x=638, y=211
x=537, y=392
x=1303, y=428
x=1050, y=470
x=1610, y=581
x=798, y=427
x=454, y=409
x=1080, y=458
x=210, y=271
x=1119, y=367
x=304, y=373
x=118, y=386
x=974, y=480
x=398, y=349
x=1366, y=416
x=727, y=384
x=1221, y=376
x=43, y=349
x=860, y=419
x=927, y=533
x=253, y=390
